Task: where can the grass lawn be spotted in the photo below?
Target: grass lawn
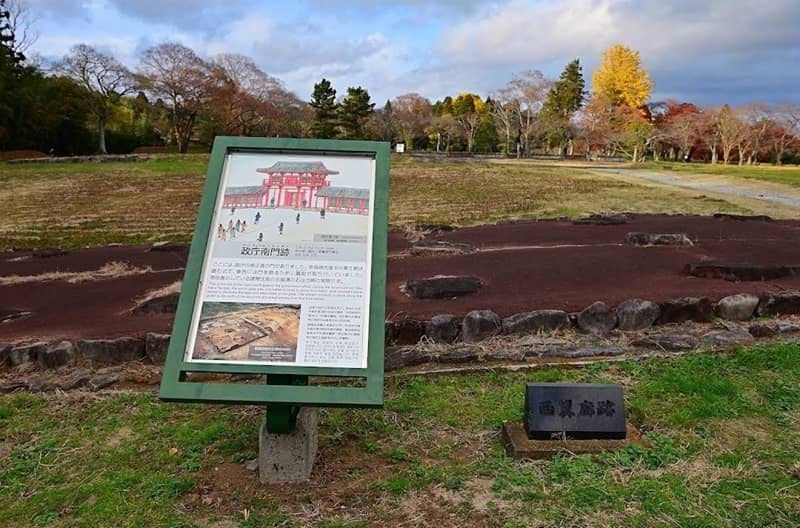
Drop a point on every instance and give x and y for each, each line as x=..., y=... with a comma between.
x=724, y=429
x=786, y=175
x=79, y=204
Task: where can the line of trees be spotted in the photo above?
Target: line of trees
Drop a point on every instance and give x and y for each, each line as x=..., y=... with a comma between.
x=90, y=102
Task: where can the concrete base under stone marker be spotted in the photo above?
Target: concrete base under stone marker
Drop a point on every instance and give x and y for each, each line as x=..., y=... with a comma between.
x=518, y=445
x=289, y=457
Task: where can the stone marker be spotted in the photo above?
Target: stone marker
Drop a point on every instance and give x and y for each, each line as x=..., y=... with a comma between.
x=574, y=410
x=637, y=314
x=739, y=307
x=289, y=457
x=20, y=355
x=658, y=239
x=724, y=338
x=597, y=319
x=442, y=286
x=671, y=342
x=480, y=324
x=156, y=347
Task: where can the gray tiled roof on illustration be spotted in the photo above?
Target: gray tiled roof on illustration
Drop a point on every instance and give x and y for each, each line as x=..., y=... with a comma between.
x=298, y=166
x=343, y=192
x=252, y=189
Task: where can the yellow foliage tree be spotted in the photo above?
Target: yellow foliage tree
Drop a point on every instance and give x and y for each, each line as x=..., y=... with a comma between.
x=621, y=79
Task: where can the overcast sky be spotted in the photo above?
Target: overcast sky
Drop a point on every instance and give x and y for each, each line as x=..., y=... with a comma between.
x=704, y=51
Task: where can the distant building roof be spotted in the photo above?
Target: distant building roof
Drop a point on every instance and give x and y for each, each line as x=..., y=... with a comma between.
x=252, y=189
x=298, y=166
x=344, y=192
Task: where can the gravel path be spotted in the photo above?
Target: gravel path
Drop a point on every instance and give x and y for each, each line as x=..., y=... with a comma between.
x=735, y=190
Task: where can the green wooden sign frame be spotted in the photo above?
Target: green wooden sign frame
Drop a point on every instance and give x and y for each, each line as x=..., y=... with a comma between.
x=368, y=392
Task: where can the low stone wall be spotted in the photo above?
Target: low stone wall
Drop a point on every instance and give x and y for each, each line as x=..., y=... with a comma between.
x=597, y=319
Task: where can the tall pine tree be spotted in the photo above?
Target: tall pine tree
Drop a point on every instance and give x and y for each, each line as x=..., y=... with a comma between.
x=323, y=101
x=354, y=111
x=563, y=100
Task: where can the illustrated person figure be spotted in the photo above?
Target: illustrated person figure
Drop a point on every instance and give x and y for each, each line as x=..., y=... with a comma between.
x=258, y=217
x=261, y=237
x=233, y=210
x=322, y=213
x=297, y=219
x=280, y=228
x=272, y=202
x=244, y=225
x=238, y=226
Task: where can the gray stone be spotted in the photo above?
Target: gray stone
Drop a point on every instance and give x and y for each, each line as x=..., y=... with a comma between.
x=460, y=354
x=587, y=351
x=443, y=286
x=787, y=328
x=740, y=272
x=739, y=307
x=390, y=336
x=603, y=219
x=505, y=354
x=541, y=341
x=41, y=385
x=400, y=357
x=76, y=380
x=13, y=386
x=658, y=239
x=698, y=309
x=727, y=338
x=251, y=465
x=409, y=331
x=442, y=328
x=112, y=351
x=637, y=314
x=761, y=330
x=597, y=319
x=480, y=324
x=441, y=247
x=781, y=303
x=26, y=353
x=289, y=457
x=156, y=347
x=101, y=382
x=56, y=356
x=536, y=321
x=5, y=350
x=673, y=342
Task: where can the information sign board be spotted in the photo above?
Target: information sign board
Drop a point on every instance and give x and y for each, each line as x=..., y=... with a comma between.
x=286, y=274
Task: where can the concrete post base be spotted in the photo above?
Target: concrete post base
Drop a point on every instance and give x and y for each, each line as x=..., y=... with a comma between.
x=289, y=457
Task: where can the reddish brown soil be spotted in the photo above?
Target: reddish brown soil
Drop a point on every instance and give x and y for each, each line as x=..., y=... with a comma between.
x=524, y=265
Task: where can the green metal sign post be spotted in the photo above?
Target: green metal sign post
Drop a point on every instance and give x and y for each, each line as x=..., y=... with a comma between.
x=307, y=177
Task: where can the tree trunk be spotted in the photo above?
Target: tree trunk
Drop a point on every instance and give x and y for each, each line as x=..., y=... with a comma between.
x=714, y=158
x=101, y=132
x=636, y=154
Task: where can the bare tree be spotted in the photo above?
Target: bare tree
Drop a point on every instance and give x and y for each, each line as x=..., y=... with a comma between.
x=784, y=125
x=506, y=110
x=730, y=131
x=21, y=23
x=412, y=115
x=530, y=89
x=103, y=76
x=175, y=73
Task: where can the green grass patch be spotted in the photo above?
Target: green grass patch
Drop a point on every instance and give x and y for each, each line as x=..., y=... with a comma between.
x=723, y=430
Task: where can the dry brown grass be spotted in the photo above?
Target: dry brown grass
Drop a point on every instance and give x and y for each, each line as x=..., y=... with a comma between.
x=112, y=270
